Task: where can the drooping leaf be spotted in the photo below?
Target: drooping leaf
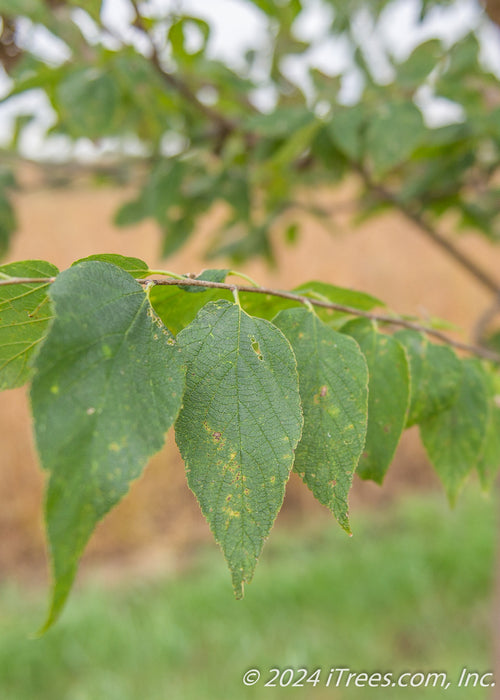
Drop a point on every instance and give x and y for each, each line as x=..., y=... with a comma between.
x=25, y=314
x=488, y=465
x=489, y=462
x=454, y=439
x=333, y=382
x=134, y=266
x=108, y=386
x=435, y=376
x=238, y=428
x=388, y=396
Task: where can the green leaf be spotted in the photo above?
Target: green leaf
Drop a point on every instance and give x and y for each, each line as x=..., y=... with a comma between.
x=333, y=381
x=278, y=123
x=267, y=306
x=131, y=213
x=238, y=428
x=454, y=438
x=88, y=99
x=211, y=275
x=25, y=314
x=393, y=133
x=177, y=309
x=347, y=130
x=489, y=462
x=340, y=295
x=493, y=341
x=177, y=37
x=134, y=266
x=435, y=376
x=388, y=396
x=93, y=7
x=34, y=9
x=292, y=233
x=108, y=386
x=419, y=64
x=8, y=222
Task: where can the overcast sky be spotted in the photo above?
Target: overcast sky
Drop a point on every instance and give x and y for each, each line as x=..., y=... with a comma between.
x=238, y=26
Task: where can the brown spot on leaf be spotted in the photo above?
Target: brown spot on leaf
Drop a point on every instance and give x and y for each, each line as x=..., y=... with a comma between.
x=216, y=436
x=323, y=391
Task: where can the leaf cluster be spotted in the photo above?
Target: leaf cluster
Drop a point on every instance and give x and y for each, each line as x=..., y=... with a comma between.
x=255, y=386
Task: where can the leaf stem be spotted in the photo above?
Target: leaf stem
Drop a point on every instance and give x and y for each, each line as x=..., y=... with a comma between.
x=167, y=273
x=235, y=273
x=236, y=296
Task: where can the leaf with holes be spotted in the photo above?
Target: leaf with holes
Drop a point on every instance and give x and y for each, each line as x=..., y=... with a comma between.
x=333, y=381
x=388, y=397
x=238, y=428
x=107, y=387
x=454, y=439
x=25, y=314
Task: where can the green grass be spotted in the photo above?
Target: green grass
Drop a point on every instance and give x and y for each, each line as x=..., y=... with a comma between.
x=411, y=591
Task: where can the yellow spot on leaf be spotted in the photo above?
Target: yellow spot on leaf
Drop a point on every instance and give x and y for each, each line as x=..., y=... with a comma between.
x=231, y=513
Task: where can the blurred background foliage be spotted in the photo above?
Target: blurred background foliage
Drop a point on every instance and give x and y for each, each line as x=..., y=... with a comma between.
x=261, y=130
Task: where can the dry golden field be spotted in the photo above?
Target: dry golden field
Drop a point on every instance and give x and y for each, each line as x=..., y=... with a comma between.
x=159, y=518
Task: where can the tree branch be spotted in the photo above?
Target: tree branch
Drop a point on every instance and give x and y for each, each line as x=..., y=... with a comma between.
x=484, y=321
x=481, y=275
x=381, y=318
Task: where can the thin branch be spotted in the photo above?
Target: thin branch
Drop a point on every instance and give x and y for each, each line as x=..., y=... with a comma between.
x=225, y=126
x=484, y=321
x=416, y=218
x=381, y=318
